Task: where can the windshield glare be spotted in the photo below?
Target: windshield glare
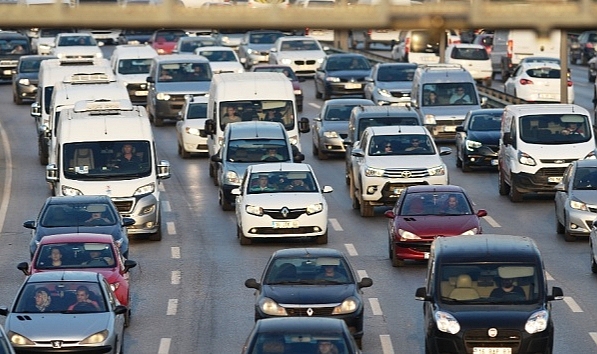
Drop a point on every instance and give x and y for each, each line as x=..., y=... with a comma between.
x=555, y=129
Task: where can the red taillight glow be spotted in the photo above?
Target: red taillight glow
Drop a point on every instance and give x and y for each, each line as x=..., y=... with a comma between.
x=307, y=31
x=509, y=49
x=589, y=45
x=525, y=82
x=407, y=44
x=569, y=83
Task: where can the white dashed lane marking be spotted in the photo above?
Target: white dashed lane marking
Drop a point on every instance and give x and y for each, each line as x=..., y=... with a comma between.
x=386, y=344
x=166, y=206
x=593, y=336
x=175, y=252
x=352, y=251
x=336, y=225
x=172, y=307
x=314, y=105
x=548, y=276
x=161, y=187
x=491, y=221
x=171, y=227
x=572, y=304
x=164, y=347
x=375, y=306
x=175, y=277
x=362, y=274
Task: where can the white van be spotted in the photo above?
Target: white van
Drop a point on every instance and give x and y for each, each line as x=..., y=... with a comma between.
x=131, y=64
x=52, y=71
x=108, y=148
x=537, y=143
x=251, y=95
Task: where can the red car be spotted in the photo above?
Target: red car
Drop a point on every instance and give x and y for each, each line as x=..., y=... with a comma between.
x=286, y=70
x=423, y=213
x=84, y=251
x=164, y=40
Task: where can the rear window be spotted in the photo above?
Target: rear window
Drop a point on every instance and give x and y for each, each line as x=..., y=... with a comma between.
x=422, y=42
x=544, y=73
x=469, y=54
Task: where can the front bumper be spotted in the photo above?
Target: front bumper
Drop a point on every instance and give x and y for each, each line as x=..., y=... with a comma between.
x=579, y=222
x=397, y=98
x=137, y=93
x=415, y=250
x=168, y=109
x=194, y=143
x=538, y=182
x=485, y=156
x=443, y=130
x=145, y=210
x=47, y=348
x=299, y=224
x=332, y=145
x=385, y=191
x=25, y=91
x=345, y=88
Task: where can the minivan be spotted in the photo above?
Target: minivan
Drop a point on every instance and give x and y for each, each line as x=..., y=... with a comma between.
x=487, y=294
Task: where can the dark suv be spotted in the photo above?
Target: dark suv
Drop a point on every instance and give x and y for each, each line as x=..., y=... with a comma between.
x=588, y=43
x=13, y=45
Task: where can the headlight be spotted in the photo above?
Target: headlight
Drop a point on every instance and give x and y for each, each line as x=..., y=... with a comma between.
x=45, y=46
x=286, y=61
x=99, y=55
x=114, y=286
x=314, y=208
x=191, y=131
x=250, y=51
x=526, y=159
x=270, y=307
x=332, y=79
x=161, y=51
x=590, y=156
x=407, y=235
x=578, y=205
x=18, y=339
x=384, y=92
x=231, y=177
x=437, y=171
x=225, y=39
x=96, y=338
x=472, y=231
x=331, y=134
x=24, y=82
x=429, y=119
x=446, y=323
x=471, y=145
x=66, y=190
x=254, y=210
x=349, y=305
x=162, y=96
x=60, y=55
x=537, y=322
x=374, y=172
x=146, y=189
x=319, y=61
x=298, y=92
x=240, y=70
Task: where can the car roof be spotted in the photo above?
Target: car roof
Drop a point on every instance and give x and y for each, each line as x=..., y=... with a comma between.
x=586, y=163
x=346, y=55
x=213, y=47
x=388, y=111
x=348, y=101
x=180, y=58
x=486, y=111
x=398, y=130
x=279, y=167
x=75, y=199
x=486, y=248
x=255, y=130
x=309, y=251
x=467, y=45
x=67, y=275
x=76, y=238
x=434, y=188
x=409, y=65
x=299, y=324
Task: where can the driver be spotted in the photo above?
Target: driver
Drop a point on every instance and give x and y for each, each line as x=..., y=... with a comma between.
x=272, y=155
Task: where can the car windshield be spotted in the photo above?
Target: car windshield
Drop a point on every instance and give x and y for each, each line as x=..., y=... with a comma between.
x=257, y=150
x=30, y=65
x=218, y=55
x=281, y=182
x=485, y=122
x=337, y=113
x=308, y=270
x=265, y=37
x=555, y=129
x=77, y=255
x=407, y=144
x=489, y=283
x=292, y=341
x=365, y=123
x=71, y=41
x=395, y=73
x=184, y=72
x=450, y=94
x=60, y=297
x=14, y=46
x=78, y=214
x=585, y=178
x=134, y=66
x=197, y=111
x=169, y=36
x=347, y=63
x=296, y=45
x=435, y=203
x=260, y=110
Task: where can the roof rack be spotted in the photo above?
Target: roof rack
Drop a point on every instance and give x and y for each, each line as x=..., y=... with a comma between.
x=103, y=107
x=89, y=78
x=442, y=67
x=76, y=61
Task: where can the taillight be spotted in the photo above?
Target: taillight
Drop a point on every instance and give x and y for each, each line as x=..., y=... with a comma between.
x=407, y=45
x=509, y=49
x=307, y=31
x=369, y=32
x=525, y=82
x=569, y=83
x=589, y=45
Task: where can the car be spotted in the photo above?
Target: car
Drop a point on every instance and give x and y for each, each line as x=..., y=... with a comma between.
x=486, y=40
x=472, y=57
x=104, y=35
x=425, y=212
x=73, y=251
x=164, y=40
x=537, y=82
x=286, y=70
x=588, y=42
x=25, y=77
x=477, y=139
x=255, y=45
x=280, y=200
x=76, y=46
x=43, y=43
x=66, y=214
x=303, y=54
x=5, y=346
x=229, y=37
x=593, y=246
x=574, y=50
x=416, y=46
x=190, y=132
x=14, y=46
x=341, y=75
x=576, y=196
x=134, y=36
x=330, y=127
x=388, y=159
x=300, y=335
x=298, y=282
x=390, y=83
x=131, y=64
x=94, y=324
x=187, y=45
x=221, y=59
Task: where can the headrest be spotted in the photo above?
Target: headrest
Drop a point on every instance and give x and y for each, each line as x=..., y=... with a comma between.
x=464, y=281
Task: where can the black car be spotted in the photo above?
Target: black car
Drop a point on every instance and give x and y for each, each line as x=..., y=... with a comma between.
x=300, y=335
x=134, y=36
x=25, y=77
x=81, y=213
x=477, y=139
x=318, y=282
x=342, y=74
x=13, y=45
x=587, y=41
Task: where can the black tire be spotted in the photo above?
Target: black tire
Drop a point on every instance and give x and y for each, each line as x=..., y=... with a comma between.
x=583, y=59
x=318, y=94
x=515, y=195
x=226, y=205
x=458, y=161
x=591, y=77
x=504, y=75
x=354, y=200
x=326, y=95
x=359, y=342
x=183, y=153
x=156, y=236
x=503, y=187
x=396, y=262
x=299, y=108
x=560, y=229
x=211, y=170
x=315, y=150
x=18, y=100
x=158, y=122
x=466, y=167
x=322, y=240
x=127, y=317
x=322, y=155
x=367, y=210
x=568, y=237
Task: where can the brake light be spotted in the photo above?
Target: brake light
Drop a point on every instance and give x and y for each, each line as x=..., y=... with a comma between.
x=569, y=83
x=589, y=45
x=369, y=32
x=525, y=82
x=307, y=31
x=407, y=45
x=509, y=49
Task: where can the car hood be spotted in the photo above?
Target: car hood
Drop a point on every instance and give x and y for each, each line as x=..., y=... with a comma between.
x=412, y=162
x=113, y=230
x=56, y=326
x=350, y=74
x=198, y=123
x=284, y=199
x=485, y=137
x=488, y=316
x=226, y=66
x=308, y=294
x=585, y=196
x=133, y=78
x=435, y=225
x=396, y=85
x=261, y=47
x=449, y=112
x=180, y=88
x=301, y=54
x=337, y=126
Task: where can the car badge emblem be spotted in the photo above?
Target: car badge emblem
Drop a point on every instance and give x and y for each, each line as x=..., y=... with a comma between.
x=56, y=344
x=492, y=332
x=143, y=86
x=559, y=161
x=285, y=212
x=352, y=79
x=406, y=174
x=309, y=312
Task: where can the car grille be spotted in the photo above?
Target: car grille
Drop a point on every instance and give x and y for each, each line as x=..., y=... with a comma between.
x=303, y=311
x=266, y=53
x=353, y=79
x=201, y=146
x=405, y=173
x=344, y=136
x=132, y=88
x=558, y=161
x=283, y=231
x=400, y=94
x=124, y=205
x=551, y=171
x=277, y=213
x=506, y=338
x=304, y=62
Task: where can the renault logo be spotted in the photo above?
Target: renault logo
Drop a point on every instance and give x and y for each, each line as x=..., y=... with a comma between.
x=285, y=212
x=405, y=174
x=309, y=312
x=492, y=332
x=56, y=344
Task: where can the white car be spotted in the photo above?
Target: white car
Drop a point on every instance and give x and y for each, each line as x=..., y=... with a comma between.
x=190, y=134
x=76, y=46
x=302, y=53
x=281, y=200
x=42, y=44
x=537, y=82
x=221, y=59
x=472, y=57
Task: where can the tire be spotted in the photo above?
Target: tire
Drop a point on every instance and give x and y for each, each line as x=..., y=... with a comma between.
x=359, y=342
x=299, y=108
x=504, y=75
x=226, y=205
x=367, y=209
x=150, y=116
x=568, y=237
x=318, y=94
x=18, y=100
x=326, y=95
x=560, y=229
x=591, y=77
x=458, y=161
x=503, y=187
x=211, y=170
x=183, y=153
x=395, y=261
x=241, y=237
x=127, y=318
x=158, y=122
x=156, y=236
x=353, y=197
x=315, y=150
x=583, y=59
x=322, y=240
x=322, y=155
x=466, y=167
x=515, y=195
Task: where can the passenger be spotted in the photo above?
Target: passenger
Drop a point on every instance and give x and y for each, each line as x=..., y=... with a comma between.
x=330, y=273
x=56, y=257
x=272, y=155
x=431, y=99
x=460, y=96
x=84, y=303
x=508, y=290
x=127, y=159
x=453, y=206
x=326, y=347
x=273, y=116
x=18, y=49
x=198, y=74
x=415, y=145
x=263, y=185
x=297, y=184
x=230, y=116
x=97, y=219
x=96, y=260
x=43, y=301
x=165, y=75
x=573, y=129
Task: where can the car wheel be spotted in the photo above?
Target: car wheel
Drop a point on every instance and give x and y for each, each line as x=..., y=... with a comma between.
x=353, y=197
x=583, y=59
x=317, y=93
x=211, y=170
x=127, y=318
x=568, y=237
x=321, y=155
x=241, y=237
x=515, y=195
x=183, y=153
x=156, y=236
x=150, y=116
x=591, y=77
x=396, y=262
x=322, y=240
x=560, y=229
x=503, y=187
x=326, y=95
x=367, y=209
x=359, y=342
x=315, y=150
x=42, y=151
x=299, y=108
x=18, y=100
x=465, y=167
x=158, y=121
x=226, y=205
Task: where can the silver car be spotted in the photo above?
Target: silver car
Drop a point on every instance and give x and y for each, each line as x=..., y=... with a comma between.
x=390, y=83
x=576, y=200
x=65, y=311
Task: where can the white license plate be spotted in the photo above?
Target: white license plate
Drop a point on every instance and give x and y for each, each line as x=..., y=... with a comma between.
x=451, y=128
x=494, y=162
x=350, y=86
x=285, y=224
x=477, y=350
x=140, y=93
x=554, y=179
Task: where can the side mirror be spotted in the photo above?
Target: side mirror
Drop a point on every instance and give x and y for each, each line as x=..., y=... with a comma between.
x=460, y=129
x=164, y=169
x=273, y=50
x=128, y=221
x=368, y=79
x=128, y=264
x=389, y=214
x=484, y=101
x=51, y=173
x=23, y=267
x=35, y=110
x=120, y=310
x=150, y=79
x=445, y=151
x=421, y=295
x=210, y=127
x=346, y=142
x=179, y=116
x=556, y=294
x=235, y=191
x=300, y=157
x=560, y=187
x=304, y=125
x=327, y=189
x=251, y=283
x=216, y=158
x=29, y=224
x=317, y=119
x=481, y=213
x=365, y=283
x=3, y=311
x=357, y=153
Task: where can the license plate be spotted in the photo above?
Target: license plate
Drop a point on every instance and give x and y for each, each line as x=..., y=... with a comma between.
x=554, y=179
x=494, y=162
x=450, y=128
x=140, y=93
x=7, y=72
x=546, y=95
x=351, y=86
x=477, y=350
x=285, y=224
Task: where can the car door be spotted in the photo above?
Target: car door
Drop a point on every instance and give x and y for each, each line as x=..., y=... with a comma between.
x=511, y=82
x=239, y=201
x=461, y=137
x=317, y=123
x=320, y=74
